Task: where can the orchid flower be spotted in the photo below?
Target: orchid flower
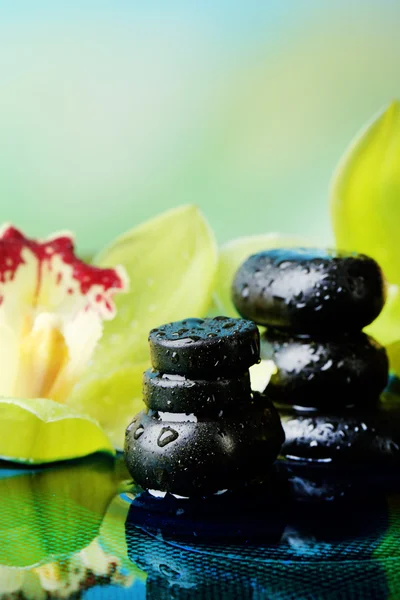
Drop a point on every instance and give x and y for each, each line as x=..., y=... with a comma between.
x=52, y=306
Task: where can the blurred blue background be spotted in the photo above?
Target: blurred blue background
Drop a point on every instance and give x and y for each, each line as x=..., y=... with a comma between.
x=113, y=111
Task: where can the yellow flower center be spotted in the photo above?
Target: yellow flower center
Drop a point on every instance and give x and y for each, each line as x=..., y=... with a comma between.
x=43, y=356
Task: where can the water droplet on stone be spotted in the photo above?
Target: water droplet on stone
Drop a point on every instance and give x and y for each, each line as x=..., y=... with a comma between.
x=167, y=435
x=175, y=357
x=139, y=431
x=327, y=365
x=285, y=264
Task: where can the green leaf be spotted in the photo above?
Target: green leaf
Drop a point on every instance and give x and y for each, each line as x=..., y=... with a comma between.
x=42, y=431
x=234, y=253
x=386, y=328
x=112, y=397
x=366, y=191
x=393, y=351
x=171, y=261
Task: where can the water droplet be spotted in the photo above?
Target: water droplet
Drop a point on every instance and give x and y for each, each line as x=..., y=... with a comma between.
x=131, y=425
x=180, y=511
x=327, y=365
x=364, y=427
x=228, y=325
x=139, y=431
x=340, y=289
x=175, y=357
x=167, y=435
x=245, y=292
x=327, y=297
x=313, y=444
x=301, y=305
x=212, y=335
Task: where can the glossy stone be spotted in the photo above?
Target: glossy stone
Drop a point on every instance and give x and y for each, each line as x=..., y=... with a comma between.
x=205, y=347
x=325, y=373
x=351, y=437
x=309, y=290
x=204, y=457
x=177, y=393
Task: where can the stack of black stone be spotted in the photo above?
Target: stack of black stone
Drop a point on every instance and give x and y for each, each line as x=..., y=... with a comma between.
x=203, y=431
x=329, y=374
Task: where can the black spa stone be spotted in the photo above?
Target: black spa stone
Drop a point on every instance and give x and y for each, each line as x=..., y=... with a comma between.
x=350, y=437
x=325, y=373
x=177, y=393
x=205, y=347
x=309, y=290
x=206, y=456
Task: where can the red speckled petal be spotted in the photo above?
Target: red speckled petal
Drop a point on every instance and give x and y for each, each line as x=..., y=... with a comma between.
x=62, y=280
x=45, y=288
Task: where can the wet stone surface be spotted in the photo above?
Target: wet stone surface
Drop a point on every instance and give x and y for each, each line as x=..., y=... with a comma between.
x=205, y=347
x=309, y=290
x=325, y=373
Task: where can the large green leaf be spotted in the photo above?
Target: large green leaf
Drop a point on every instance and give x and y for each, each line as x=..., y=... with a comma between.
x=366, y=207
x=171, y=261
x=366, y=192
x=41, y=431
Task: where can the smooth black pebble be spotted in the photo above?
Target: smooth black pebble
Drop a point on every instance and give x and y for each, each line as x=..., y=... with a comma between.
x=176, y=393
x=325, y=373
x=309, y=290
x=211, y=347
x=202, y=457
x=353, y=437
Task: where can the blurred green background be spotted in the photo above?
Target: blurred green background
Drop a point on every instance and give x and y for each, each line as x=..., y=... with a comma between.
x=113, y=111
